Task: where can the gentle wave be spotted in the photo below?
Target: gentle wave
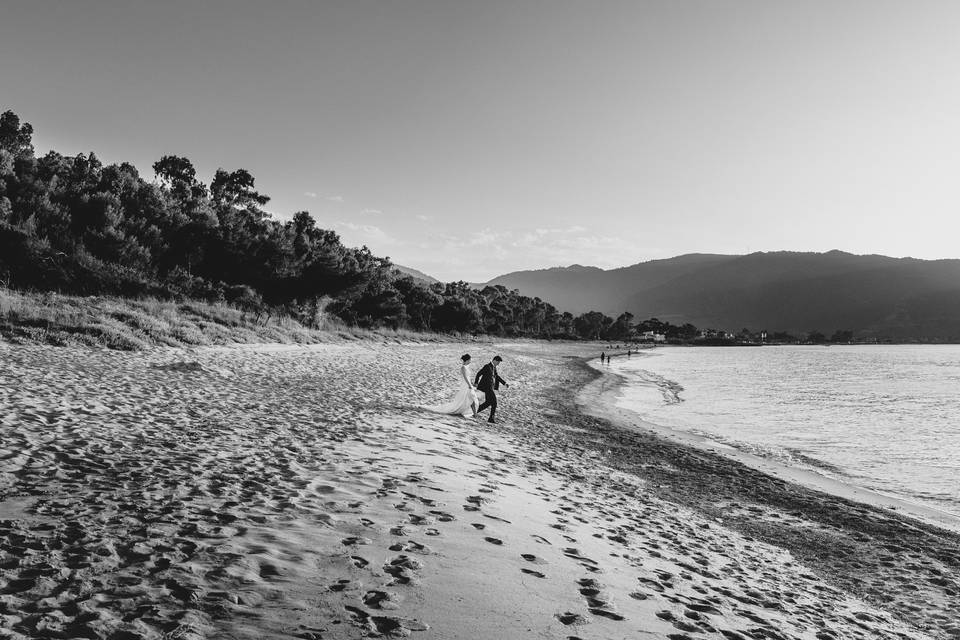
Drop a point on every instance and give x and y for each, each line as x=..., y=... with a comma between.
x=882, y=417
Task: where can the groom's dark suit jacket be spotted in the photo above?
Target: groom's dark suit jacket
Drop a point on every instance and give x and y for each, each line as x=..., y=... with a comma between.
x=487, y=378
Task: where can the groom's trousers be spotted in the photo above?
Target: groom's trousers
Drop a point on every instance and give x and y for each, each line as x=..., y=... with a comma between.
x=489, y=400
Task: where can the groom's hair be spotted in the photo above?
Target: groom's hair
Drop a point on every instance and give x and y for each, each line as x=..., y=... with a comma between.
x=498, y=358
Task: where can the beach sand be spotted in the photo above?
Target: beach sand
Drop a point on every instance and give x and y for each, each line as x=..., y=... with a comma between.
x=297, y=492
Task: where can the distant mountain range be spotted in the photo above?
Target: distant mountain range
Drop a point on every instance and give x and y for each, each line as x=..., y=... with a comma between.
x=415, y=274
x=875, y=296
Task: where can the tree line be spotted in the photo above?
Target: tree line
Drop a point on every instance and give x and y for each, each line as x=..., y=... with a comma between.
x=74, y=225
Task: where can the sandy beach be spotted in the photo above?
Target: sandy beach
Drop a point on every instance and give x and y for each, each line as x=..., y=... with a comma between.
x=297, y=492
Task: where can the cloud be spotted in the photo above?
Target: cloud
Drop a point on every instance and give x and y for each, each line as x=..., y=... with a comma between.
x=422, y=217
x=577, y=247
x=335, y=198
x=372, y=211
x=354, y=234
x=482, y=238
x=542, y=236
x=310, y=194
x=485, y=240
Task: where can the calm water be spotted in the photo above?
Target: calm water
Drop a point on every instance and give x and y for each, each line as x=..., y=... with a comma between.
x=882, y=417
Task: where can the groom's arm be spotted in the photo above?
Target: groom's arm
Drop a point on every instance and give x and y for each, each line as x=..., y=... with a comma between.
x=476, y=380
x=501, y=380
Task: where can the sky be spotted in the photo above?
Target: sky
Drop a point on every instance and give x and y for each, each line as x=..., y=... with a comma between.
x=469, y=139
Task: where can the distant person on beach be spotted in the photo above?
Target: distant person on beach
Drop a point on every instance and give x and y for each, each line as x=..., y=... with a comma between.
x=466, y=402
x=488, y=381
x=603, y=356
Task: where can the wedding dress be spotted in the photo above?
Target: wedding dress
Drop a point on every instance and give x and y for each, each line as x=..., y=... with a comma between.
x=465, y=402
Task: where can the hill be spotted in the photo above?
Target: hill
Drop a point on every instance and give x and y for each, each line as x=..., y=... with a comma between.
x=875, y=296
x=415, y=274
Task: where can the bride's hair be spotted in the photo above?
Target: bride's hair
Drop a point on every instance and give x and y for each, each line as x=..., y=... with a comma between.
x=465, y=357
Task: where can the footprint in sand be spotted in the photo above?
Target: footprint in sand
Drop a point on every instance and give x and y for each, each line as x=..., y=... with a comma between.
x=598, y=602
x=573, y=552
x=409, y=545
x=531, y=572
x=569, y=618
x=486, y=515
x=478, y=525
x=653, y=584
x=339, y=585
x=491, y=540
x=379, y=600
x=402, y=568
x=384, y=625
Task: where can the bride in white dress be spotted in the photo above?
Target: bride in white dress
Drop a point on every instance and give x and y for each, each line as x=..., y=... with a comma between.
x=467, y=400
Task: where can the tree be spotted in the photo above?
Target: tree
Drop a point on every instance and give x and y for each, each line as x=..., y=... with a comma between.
x=685, y=332
x=842, y=336
x=6, y=163
x=173, y=171
x=654, y=325
x=621, y=328
x=591, y=325
x=456, y=314
x=419, y=301
x=15, y=137
x=235, y=189
x=178, y=175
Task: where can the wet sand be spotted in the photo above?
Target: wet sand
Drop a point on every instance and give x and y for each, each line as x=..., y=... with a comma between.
x=296, y=492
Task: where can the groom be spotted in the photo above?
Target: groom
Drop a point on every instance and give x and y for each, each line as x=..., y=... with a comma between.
x=488, y=381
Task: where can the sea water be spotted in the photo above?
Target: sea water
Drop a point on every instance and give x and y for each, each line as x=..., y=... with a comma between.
x=883, y=417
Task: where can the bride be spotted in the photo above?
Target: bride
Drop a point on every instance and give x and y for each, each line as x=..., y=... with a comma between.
x=466, y=402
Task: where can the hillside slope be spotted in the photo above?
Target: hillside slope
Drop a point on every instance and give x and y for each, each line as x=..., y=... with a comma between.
x=873, y=295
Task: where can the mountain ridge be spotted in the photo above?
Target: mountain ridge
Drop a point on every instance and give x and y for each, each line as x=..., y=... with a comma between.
x=873, y=295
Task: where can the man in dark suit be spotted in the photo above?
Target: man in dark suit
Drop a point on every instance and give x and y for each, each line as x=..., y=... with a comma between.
x=488, y=381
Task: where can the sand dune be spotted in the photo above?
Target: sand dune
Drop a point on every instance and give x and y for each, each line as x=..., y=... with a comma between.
x=296, y=492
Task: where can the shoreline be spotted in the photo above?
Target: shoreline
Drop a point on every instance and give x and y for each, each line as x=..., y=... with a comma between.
x=603, y=402
x=868, y=551
x=296, y=492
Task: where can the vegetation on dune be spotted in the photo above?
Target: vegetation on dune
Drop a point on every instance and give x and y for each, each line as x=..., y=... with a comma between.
x=133, y=324
x=75, y=226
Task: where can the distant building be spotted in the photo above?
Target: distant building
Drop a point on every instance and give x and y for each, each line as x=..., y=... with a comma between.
x=716, y=335
x=651, y=336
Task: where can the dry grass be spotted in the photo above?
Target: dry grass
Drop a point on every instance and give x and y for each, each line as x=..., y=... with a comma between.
x=128, y=324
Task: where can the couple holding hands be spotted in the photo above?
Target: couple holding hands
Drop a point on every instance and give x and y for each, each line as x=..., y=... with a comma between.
x=467, y=400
